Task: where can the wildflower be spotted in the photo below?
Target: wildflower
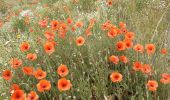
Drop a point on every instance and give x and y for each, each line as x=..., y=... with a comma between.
x=109, y=3
x=79, y=24
x=120, y=46
x=146, y=68
x=128, y=43
x=69, y=21
x=164, y=51
x=150, y=48
x=112, y=33
x=152, y=85
x=28, y=70
x=40, y=74
x=107, y=25
x=122, y=25
x=123, y=59
x=49, y=47
x=15, y=63
x=137, y=66
x=63, y=27
x=18, y=95
x=7, y=75
x=80, y=41
x=32, y=96
x=43, y=85
x=25, y=46
x=49, y=35
x=116, y=77
x=54, y=25
x=138, y=48
x=31, y=56
x=62, y=70
x=43, y=23
x=14, y=87
x=165, y=78
x=129, y=35
x=114, y=59
x=64, y=84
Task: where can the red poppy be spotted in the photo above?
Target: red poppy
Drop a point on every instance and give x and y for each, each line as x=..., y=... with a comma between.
x=15, y=63
x=116, y=77
x=54, y=25
x=114, y=59
x=25, y=46
x=28, y=70
x=43, y=85
x=120, y=46
x=49, y=47
x=32, y=96
x=64, y=84
x=49, y=35
x=62, y=70
x=40, y=74
x=31, y=56
x=152, y=85
x=7, y=75
x=150, y=48
x=18, y=95
x=138, y=48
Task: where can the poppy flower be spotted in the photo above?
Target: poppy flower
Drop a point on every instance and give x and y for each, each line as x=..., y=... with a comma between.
x=32, y=96
x=80, y=41
x=15, y=63
x=63, y=27
x=79, y=24
x=123, y=59
x=150, y=48
x=112, y=33
x=49, y=47
x=109, y=3
x=14, y=87
x=31, y=56
x=128, y=43
x=28, y=70
x=114, y=59
x=64, y=84
x=138, y=48
x=43, y=23
x=116, y=77
x=129, y=35
x=18, y=95
x=146, y=68
x=40, y=74
x=73, y=28
x=152, y=85
x=120, y=46
x=69, y=21
x=165, y=78
x=25, y=46
x=43, y=85
x=137, y=66
x=106, y=26
x=62, y=70
x=122, y=25
x=88, y=31
x=164, y=51
x=49, y=35
x=62, y=34
x=7, y=75
x=54, y=25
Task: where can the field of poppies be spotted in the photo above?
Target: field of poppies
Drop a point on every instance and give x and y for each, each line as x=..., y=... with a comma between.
x=85, y=49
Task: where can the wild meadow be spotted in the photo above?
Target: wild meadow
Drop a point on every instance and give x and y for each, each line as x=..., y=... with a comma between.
x=85, y=49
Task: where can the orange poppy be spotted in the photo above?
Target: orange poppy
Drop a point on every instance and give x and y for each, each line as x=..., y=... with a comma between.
x=43, y=23
x=40, y=74
x=80, y=41
x=164, y=51
x=18, y=95
x=107, y=25
x=49, y=35
x=150, y=48
x=152, y=85
x=69, y=21
x=7, y=75
x=122, y=25
x=32, y=96
x=116, y=77
x=79, y=24
x=15, y=63
x=64, y=84
x=49, y=47
x=62, y=70
x=129, y=35
x=109, y=3
x=28, y=70
x=123, y=59
x=43, y=85
x=138, y=48
x=25, y=46
x=137, y=66
x=165, y=78
x=31, y=56
x=114, y=59
x=146, y=68
x=54, y=25
x=73, y=28
x=112, y=33
x=128, y=43
x=14, y=87
x=120, y=46
x=63, y=27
